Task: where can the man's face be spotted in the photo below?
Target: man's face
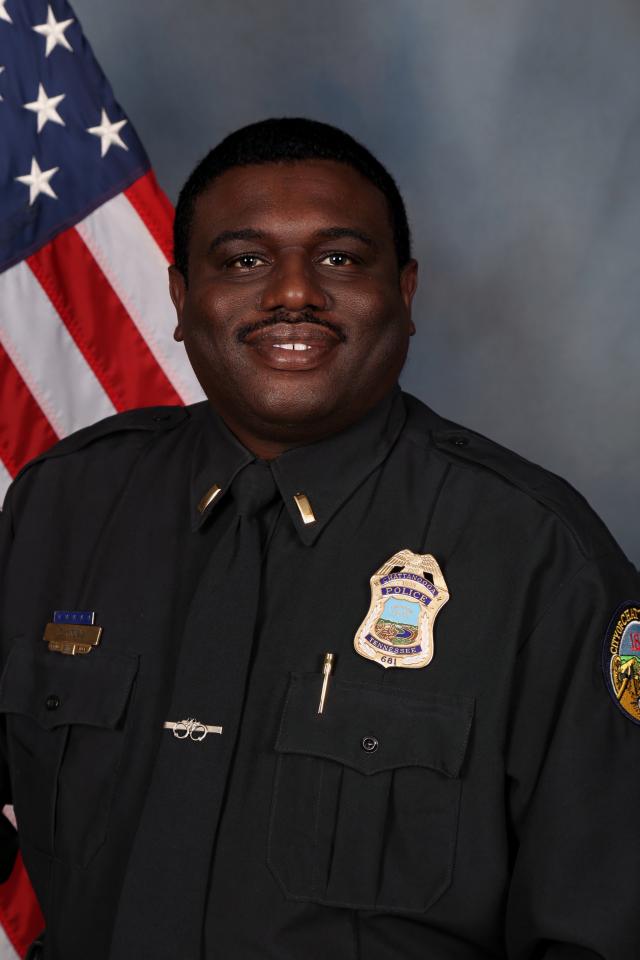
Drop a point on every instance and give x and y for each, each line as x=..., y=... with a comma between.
x=295, y=317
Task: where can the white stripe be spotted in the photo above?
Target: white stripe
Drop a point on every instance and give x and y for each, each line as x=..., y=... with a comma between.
x=5, y=480
x=136, y=268
x=6, y=950
x=46, y=356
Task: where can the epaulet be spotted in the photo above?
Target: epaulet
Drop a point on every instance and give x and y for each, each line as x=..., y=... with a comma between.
x=548, y=489
x=555, y=494
x=151, y=419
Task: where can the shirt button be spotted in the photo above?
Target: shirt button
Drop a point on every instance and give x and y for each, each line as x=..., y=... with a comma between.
x=52, y=702
x=460, y=441
x=370, y=744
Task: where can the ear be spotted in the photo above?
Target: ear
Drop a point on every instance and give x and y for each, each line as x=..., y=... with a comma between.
x=177, y=289
x=408, y=287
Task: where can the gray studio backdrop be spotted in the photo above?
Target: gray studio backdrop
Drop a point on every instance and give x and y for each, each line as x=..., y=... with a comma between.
x=513, y=128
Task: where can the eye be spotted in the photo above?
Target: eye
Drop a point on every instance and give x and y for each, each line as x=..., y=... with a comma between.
x=247, y=261
x=338, y=259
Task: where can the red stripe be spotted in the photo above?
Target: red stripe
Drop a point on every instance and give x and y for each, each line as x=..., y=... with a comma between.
x=20, y=914
x=24, y=430
x=101, y=327
x=154, y=209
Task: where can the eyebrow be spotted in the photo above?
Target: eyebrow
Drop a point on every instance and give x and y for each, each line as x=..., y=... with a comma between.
x=337, y=233
x=227, y=235
x=331, y=233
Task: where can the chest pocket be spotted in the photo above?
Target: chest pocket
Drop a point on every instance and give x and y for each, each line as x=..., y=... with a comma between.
x=65, y=734
x=366, y=796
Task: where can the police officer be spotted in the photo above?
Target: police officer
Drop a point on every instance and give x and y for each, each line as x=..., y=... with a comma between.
x=306, y=670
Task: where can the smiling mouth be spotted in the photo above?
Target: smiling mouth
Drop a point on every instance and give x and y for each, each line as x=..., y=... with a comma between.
x=293, y=346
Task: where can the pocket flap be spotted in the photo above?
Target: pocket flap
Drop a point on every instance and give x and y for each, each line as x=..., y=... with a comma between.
x=373, y=728
x=54, y=689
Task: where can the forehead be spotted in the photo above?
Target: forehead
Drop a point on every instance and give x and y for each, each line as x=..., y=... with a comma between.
x=285, y=197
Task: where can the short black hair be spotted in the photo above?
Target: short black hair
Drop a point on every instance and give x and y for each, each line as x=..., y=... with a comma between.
x=287, y=140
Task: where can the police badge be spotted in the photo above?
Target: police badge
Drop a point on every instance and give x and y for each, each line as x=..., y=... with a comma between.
x=406, y=594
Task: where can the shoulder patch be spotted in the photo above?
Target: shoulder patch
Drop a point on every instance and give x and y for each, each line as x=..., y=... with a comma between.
x=621, y=659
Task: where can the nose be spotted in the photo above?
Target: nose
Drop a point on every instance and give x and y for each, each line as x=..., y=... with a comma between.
x=293, y=286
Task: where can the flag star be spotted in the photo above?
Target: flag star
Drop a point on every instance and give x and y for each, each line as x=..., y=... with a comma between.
x=108, y=133
x=3, y=13
x=54, y=30
x=38, y=181
x=45, y=107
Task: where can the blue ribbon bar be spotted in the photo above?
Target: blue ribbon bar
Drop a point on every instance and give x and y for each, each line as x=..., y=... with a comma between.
x=83, y=617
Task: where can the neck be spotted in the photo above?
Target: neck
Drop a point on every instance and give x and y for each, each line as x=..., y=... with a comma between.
x=267, y=440
x=266, y=446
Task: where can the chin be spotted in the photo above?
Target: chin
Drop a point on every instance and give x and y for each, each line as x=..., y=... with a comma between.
x=284, y=412
x=290, y=415
x=303, y=423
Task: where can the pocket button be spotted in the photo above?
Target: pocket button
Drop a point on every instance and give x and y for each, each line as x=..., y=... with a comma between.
x=52, y=702
x=369, y=744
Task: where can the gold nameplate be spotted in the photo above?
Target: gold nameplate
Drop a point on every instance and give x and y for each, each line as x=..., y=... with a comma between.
x=71, y=638
x=398, y=629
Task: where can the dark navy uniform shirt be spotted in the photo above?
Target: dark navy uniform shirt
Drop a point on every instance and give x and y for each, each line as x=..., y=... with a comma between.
x=495, y=817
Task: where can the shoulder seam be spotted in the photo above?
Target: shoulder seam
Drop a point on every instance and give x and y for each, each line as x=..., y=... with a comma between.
x=529, y=491
x=143, y=420
x=587, y=562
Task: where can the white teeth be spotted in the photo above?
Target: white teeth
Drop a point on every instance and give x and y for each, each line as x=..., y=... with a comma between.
x=292, y=346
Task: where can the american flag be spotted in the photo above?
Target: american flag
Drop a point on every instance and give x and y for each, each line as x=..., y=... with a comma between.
x=85, y=237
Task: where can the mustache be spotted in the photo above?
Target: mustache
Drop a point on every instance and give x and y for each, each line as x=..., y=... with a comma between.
x=285, y=316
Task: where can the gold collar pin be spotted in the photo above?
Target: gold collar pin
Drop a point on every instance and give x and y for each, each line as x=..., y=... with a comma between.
x=303, y=505
x=209, y=497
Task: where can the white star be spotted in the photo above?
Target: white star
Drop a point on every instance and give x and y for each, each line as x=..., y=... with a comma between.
x=54, y=30
x=3, y=13
x=108, y=133
x=45, y=107
x=38, y=181
x=1, y=71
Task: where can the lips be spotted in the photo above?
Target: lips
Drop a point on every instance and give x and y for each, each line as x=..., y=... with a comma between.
x=293, y=346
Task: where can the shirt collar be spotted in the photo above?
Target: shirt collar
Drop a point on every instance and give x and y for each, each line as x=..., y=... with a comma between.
x=217, y=459
x=326, y=473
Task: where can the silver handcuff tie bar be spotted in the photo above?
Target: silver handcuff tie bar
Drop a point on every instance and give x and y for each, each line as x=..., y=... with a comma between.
x=192, y=729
